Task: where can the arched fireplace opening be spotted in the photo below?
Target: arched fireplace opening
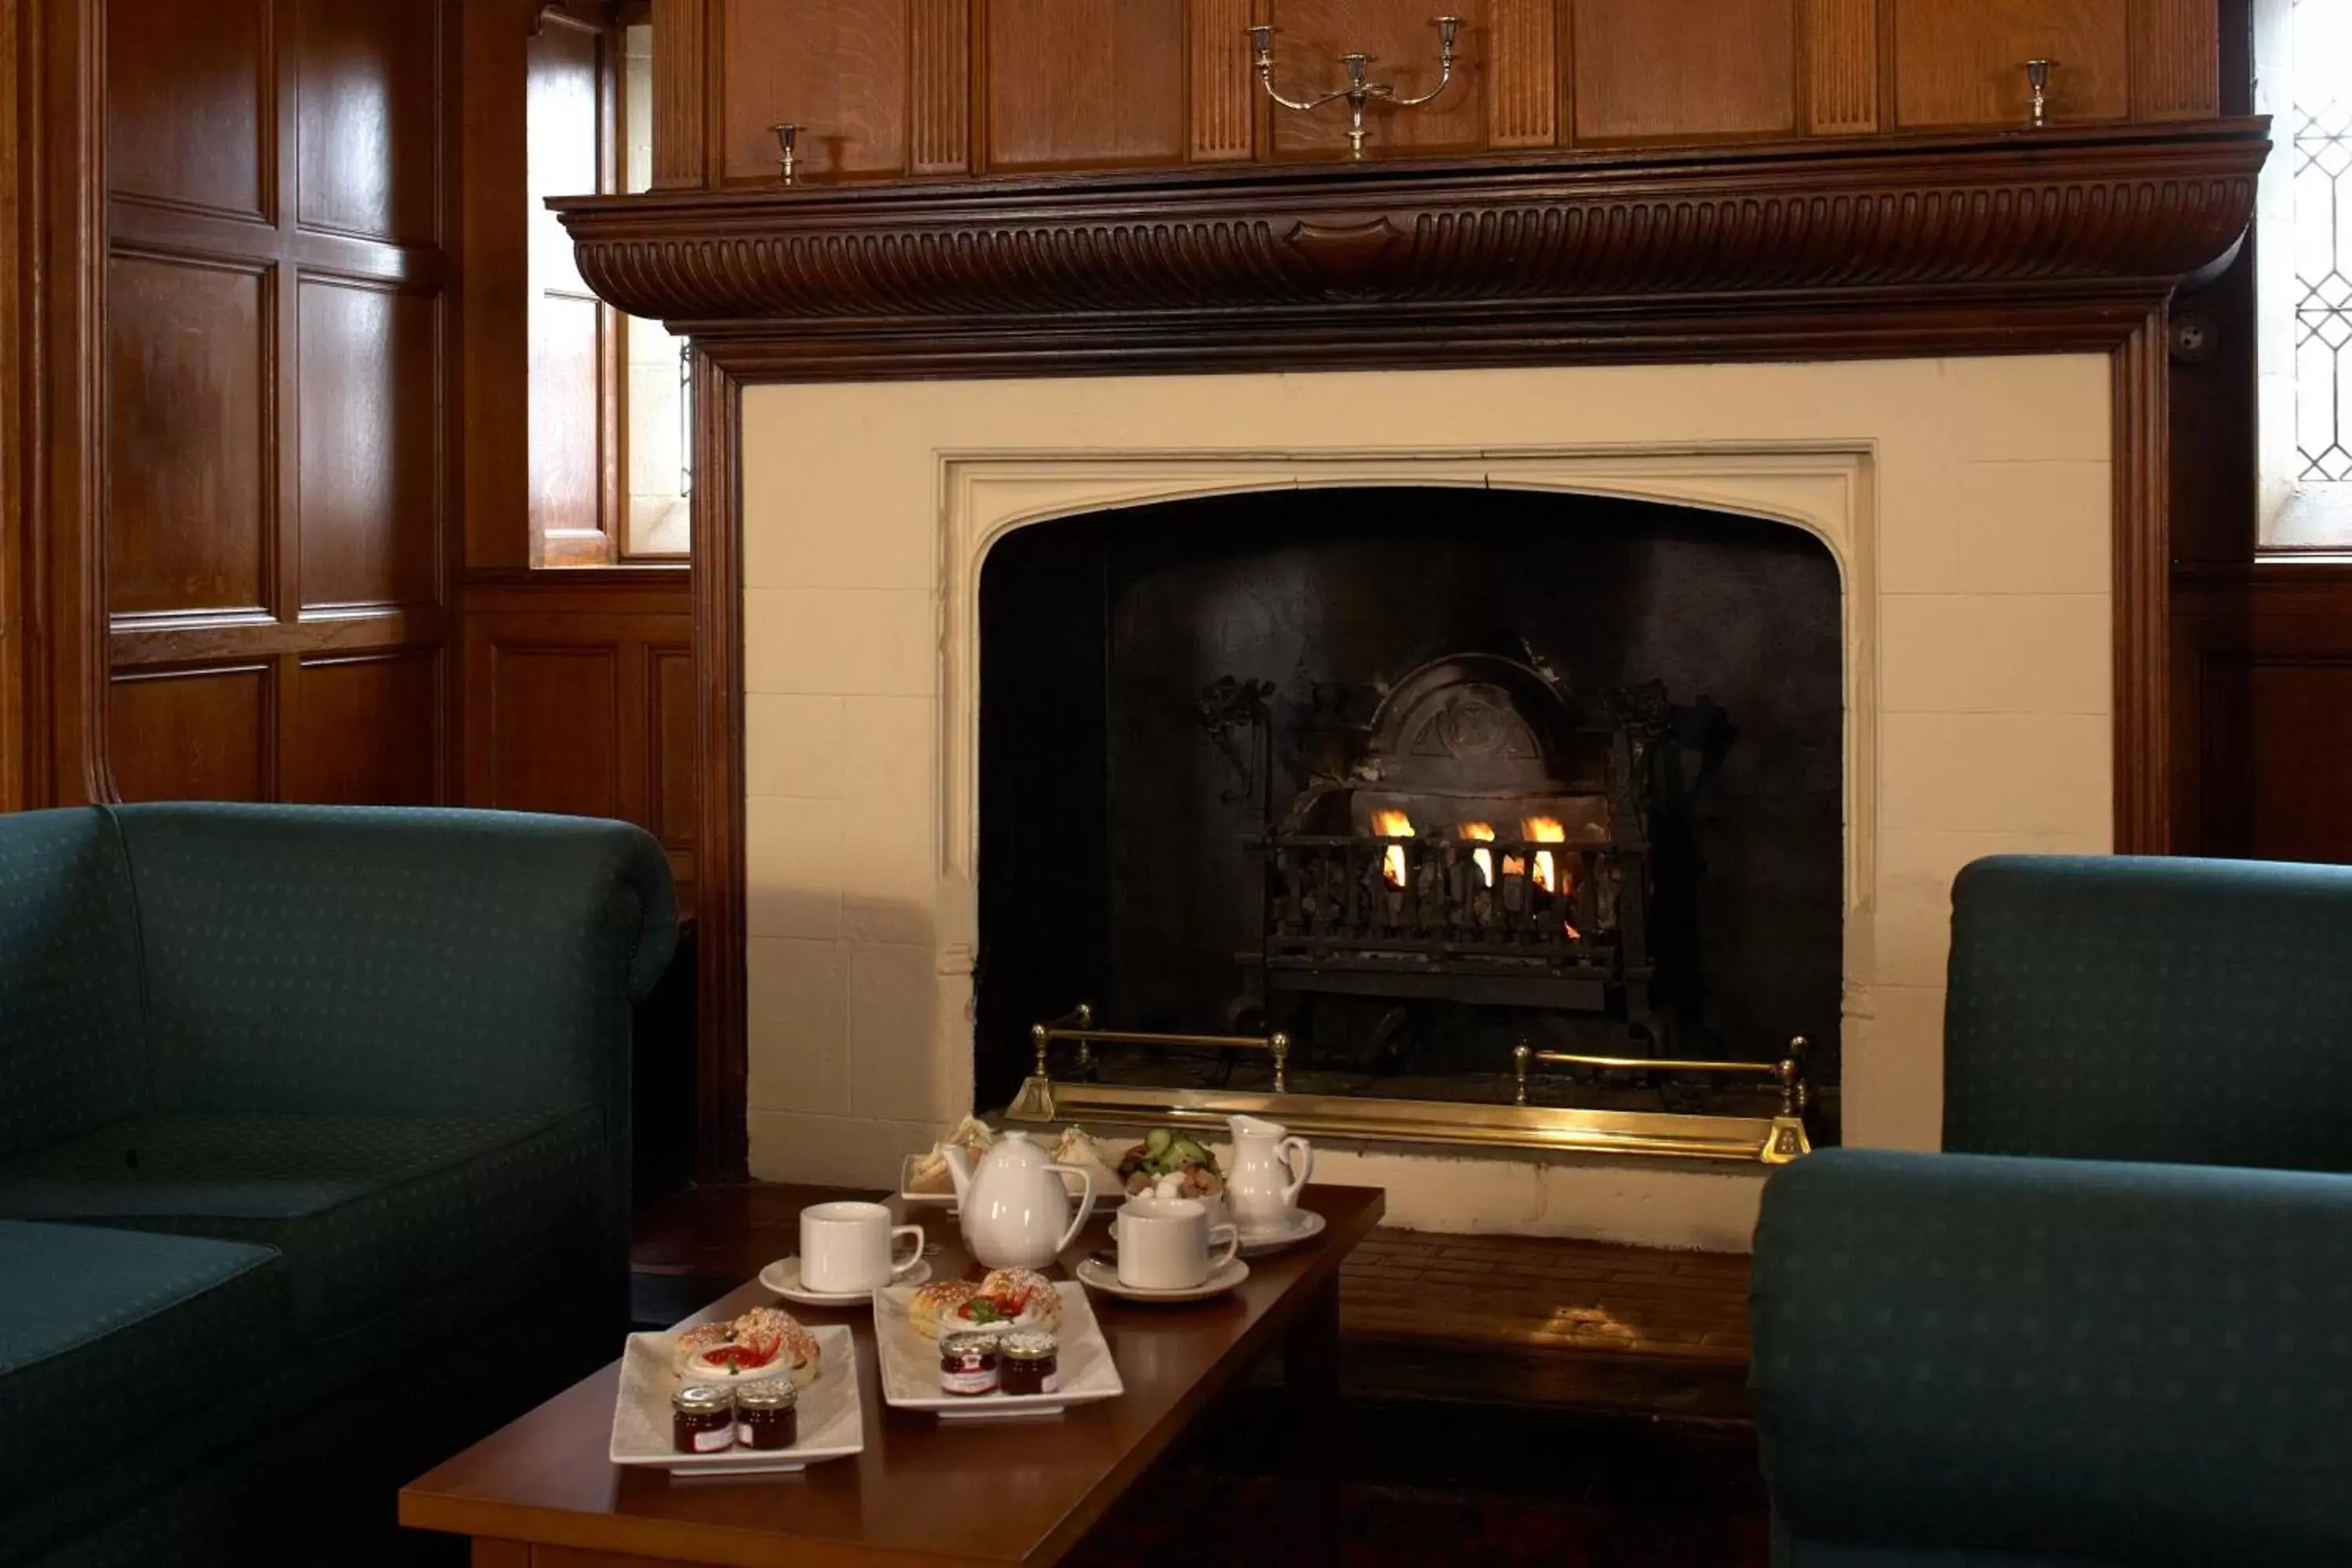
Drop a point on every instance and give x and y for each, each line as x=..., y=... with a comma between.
x=1413, y=776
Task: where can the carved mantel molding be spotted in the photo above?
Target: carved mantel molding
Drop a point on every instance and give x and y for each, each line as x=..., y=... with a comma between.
x=1944, y=222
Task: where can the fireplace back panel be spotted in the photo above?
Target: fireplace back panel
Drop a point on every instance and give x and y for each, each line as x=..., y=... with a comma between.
x=1111, y=824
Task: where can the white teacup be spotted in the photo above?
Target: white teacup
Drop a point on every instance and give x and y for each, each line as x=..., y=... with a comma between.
x=1164, y=1243
x=846, y=1248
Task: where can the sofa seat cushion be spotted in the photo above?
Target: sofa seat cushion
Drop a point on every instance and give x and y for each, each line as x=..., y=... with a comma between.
x=94, y=1321
x=370, y=1211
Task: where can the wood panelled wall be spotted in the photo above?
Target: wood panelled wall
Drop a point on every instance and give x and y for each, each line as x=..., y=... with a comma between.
x=578, y=687
x=896, y=89
x=278, y=443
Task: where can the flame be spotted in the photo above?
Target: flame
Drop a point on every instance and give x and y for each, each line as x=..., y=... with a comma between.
x=1483, y=858
x=1392, y=824
x=1546, y=830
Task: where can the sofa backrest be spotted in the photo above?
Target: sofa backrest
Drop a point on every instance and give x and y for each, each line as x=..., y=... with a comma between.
x=2121, y=1008
x=71, y=1053
x=385, y=961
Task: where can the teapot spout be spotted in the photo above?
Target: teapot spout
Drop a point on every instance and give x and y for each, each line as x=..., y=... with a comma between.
x=959, y=1169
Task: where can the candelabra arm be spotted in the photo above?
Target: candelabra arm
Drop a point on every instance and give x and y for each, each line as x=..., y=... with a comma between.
x=1444, y=75
x=1304, y=105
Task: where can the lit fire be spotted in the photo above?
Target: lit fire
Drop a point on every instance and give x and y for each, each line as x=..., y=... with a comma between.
x=1483, y=858
x=1392, y=824
x=1546, y=830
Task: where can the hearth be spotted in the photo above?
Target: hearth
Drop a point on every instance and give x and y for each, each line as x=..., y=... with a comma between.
x=1475, y=816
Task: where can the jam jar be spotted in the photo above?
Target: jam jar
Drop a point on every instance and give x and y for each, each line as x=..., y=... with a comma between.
x=702, y=1419
x=968, y=1363
x=768, y=1414
x=1030, y=1361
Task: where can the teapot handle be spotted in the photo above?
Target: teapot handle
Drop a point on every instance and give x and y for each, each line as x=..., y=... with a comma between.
x=1085, y=1203
x=1304, y=1167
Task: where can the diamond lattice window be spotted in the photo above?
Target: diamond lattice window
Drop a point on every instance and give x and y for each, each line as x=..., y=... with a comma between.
x=2322, y=154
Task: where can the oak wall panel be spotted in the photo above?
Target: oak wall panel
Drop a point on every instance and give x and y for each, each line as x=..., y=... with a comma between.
x=1644, y=71
x=1841, y=39
x=370, y=446
x=675, y=798
x=1962, y=62
x=201, y=734
x=189, y=103
x=1078, y=84
x=939, y=115
x=1523, y=74
x=1224, y=93
x=188, y=389
x=579, y=695
x=368, y=729
x=1313, y=34
x=555, y=729
x=2175, y=60
x=838, y=68
x=367, y=118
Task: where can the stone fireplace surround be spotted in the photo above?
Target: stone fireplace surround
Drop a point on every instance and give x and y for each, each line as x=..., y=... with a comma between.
x=1967, y=501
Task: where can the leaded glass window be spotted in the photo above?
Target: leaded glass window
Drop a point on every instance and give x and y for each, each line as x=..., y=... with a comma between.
x=2321, y=156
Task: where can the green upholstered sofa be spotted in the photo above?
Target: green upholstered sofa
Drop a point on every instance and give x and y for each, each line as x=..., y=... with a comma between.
x=314, y=1156
x=2113, y=1324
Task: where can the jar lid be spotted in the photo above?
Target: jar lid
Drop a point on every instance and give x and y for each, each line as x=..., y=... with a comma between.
x=768, y=1394
x=1031, y=1344
x=969, y=1342
x=701, y=1399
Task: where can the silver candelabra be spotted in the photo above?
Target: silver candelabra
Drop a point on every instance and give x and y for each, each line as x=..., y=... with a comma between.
x=1360, y=90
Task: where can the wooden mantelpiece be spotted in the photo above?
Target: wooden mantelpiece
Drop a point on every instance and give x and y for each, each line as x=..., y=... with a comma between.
x=2069, y=239
x=1974, y=240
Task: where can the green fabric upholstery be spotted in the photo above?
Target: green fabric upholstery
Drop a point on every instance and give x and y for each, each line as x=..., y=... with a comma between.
x=2113, y=1326
x=2122, y=1363
x=2197, y=1012
x=288, y=950
x=369, y=1210
x=69, y=1034
x=379, y=1059
x=94, y=1322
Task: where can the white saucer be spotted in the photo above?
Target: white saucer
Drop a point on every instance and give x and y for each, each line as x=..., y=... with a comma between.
x=1106, y=1279
x=1305, y=1225
x=783, y=1276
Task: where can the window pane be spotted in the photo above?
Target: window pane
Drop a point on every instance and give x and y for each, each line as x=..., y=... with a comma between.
x=660, y=424
x=2322, y=154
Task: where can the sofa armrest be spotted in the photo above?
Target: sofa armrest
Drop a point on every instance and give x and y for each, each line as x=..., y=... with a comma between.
x=371, y=960
x=2127, y=1362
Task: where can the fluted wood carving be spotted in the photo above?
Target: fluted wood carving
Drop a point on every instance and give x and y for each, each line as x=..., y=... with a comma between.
x=2050, y=213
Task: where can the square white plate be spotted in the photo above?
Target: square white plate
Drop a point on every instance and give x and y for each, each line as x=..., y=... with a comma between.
x=832, y=1420
x=910, y=1363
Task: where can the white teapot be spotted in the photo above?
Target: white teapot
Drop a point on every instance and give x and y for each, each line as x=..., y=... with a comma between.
x=1263, y=1185
x=1016, y=1212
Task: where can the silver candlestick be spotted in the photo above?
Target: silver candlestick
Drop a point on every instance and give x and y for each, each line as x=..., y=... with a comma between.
x=2037, y=82
x=1359, y=90
x=787, y=133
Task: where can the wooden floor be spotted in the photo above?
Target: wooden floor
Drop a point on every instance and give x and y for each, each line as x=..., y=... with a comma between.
x=1506, y=1319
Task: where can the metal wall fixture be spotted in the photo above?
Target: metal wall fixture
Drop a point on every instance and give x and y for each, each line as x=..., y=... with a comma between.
x=2037, y=87
x=1359, y=91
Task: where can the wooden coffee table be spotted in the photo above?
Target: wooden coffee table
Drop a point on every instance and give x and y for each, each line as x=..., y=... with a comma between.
x=540, y=1493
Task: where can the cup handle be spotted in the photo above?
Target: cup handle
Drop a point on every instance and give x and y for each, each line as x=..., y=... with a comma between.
x=1232, y=1245
x=1304, y=1157
x=897, y=1267
x=1085, y=1203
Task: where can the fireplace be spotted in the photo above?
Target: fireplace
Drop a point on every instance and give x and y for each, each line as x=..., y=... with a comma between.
x=1411, y=790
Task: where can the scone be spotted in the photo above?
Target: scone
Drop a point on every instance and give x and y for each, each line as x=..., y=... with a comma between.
x=934, y=1301
x=763, y=1343
x=1024, y=1297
